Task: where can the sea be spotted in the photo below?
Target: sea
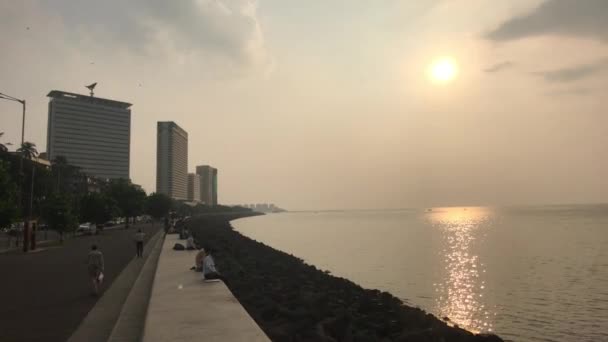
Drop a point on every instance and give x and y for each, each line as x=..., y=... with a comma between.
x=525, y=273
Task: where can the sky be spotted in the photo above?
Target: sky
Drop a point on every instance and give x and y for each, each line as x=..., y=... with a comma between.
x=328, y=104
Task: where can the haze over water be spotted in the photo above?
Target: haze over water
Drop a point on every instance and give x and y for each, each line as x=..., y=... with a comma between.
x=527, y=274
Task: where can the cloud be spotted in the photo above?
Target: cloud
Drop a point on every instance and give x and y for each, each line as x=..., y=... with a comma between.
x=499, y=67
x=577, y=91
x=575, y=73
x=221, y=28
x=582, y=18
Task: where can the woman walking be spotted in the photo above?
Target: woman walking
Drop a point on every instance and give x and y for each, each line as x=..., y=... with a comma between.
x=95, y=267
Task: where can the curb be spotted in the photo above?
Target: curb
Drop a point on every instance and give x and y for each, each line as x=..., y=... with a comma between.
x=98, y=324
x=132, y=319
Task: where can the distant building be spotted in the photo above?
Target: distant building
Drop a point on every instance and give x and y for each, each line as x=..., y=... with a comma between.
x=91, y=133
x=264, y=208
x=214, y=187
x=208, y=177
x=172, y=160
x=194, y=187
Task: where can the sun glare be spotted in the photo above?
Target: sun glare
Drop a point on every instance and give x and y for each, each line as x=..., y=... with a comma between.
x=443, y=70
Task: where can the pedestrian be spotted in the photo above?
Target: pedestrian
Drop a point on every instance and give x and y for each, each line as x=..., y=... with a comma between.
x=95, y=267
x=139, y=243
x=198, y=261
x=190, y=243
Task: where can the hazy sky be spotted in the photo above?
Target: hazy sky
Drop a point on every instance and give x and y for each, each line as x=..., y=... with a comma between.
x=328, y=104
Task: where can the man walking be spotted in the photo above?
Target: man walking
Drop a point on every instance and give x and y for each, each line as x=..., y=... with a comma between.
x=139, y=243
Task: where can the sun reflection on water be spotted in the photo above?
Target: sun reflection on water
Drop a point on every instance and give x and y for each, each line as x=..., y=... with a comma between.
x=460, y=294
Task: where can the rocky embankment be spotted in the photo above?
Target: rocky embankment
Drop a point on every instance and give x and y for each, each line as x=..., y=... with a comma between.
x=294, y=301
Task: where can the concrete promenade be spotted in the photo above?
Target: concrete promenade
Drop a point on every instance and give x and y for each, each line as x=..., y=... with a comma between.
x=184, y=308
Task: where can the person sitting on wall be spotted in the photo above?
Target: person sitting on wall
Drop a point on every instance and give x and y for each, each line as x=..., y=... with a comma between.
x=198, y=260
x=209, y=270
x=184, y=233
x=190, y=244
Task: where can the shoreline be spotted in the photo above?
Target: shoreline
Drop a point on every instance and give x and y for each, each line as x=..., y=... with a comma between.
x=293, y=301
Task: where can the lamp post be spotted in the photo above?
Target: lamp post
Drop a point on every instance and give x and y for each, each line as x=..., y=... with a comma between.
x=10, y=98
x=14, y=99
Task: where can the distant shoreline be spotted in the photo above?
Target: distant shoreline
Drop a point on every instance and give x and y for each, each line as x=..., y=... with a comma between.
x=290, y=299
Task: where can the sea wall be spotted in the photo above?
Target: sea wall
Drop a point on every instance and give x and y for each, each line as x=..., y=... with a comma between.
x=294, y=301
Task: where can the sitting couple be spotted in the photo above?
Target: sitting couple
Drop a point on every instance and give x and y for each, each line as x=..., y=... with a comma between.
x=204, y=263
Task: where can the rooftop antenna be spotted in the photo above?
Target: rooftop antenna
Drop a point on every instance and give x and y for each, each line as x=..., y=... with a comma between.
x=91, y=88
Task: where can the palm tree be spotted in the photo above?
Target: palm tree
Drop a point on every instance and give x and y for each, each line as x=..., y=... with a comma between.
x=3, y=147
x=28, y=150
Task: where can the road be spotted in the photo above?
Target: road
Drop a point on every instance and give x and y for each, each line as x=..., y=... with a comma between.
x=44, y=295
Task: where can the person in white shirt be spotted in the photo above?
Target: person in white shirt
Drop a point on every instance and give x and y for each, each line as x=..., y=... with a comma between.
x=209, y=270
x=190, y=244
x=95, y=265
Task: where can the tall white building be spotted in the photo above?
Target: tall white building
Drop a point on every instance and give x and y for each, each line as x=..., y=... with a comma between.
x=172, y=160
x=194, y=187
x=91, y=133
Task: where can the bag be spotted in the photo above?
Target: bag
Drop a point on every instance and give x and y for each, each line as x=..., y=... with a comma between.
x=179, y=247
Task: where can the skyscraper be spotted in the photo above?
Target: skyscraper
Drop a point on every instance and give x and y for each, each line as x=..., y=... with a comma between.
x=214, y=186
x=172, y=160
x=90, y=132
x=194, y=187
x=208, y=176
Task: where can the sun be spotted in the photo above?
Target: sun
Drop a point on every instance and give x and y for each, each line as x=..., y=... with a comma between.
x=443, y=70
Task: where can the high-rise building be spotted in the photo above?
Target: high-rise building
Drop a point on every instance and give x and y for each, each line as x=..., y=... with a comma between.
x=172, y=160
x=214, y=186
x=91, y=133
x=194, y=187
x=208, y=176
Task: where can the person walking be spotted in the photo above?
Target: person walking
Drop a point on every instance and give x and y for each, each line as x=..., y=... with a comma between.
x=139, y=243
x=95, y=267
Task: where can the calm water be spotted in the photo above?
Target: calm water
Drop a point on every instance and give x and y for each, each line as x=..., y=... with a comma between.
x=527, y=274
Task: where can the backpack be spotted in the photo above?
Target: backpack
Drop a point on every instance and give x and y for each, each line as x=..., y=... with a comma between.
x=179, y=247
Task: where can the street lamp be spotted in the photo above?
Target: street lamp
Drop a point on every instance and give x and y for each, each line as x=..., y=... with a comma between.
x=10, y=98
x=14, y=99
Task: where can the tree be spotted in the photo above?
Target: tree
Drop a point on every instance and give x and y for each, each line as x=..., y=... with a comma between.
x=129, y=198
x=58, y=214
x=60, y=163
x=158, y=205
x=96, y=208
x=28, y=150
x=3, y=147
x=8, y=196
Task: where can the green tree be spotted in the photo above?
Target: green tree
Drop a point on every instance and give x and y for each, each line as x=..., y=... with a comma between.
x=58, y=214
x=96, y=208
x=129, y=198
x=60, y=163
x=3, y=147
x=28, y=150
x=8, y=196
x=182, y=209
x=158, y=205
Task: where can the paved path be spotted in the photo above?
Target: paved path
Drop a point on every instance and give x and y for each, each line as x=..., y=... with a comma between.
x=45, y=295
x=183, y=308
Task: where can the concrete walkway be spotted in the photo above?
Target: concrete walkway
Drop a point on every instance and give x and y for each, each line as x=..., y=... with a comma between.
x=184, y=308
